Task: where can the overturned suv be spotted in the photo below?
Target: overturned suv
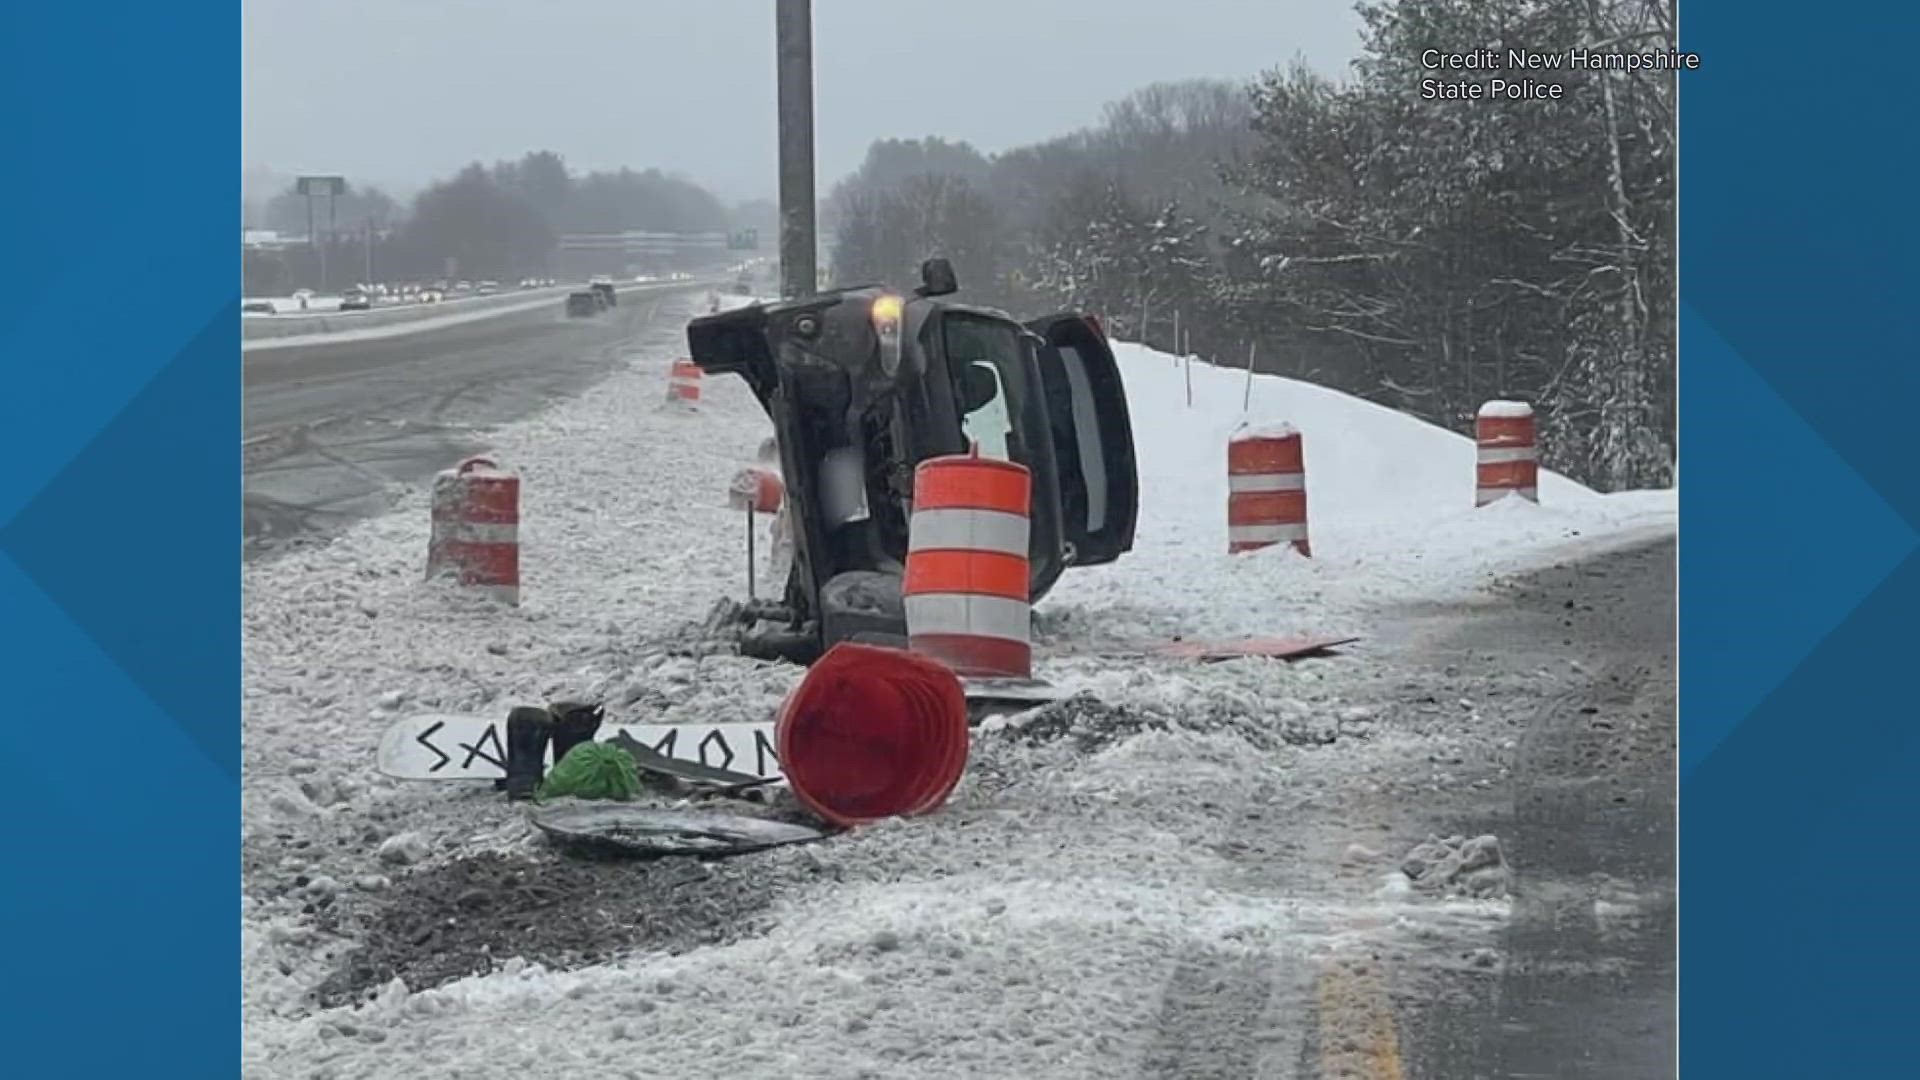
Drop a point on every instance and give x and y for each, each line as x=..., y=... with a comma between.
x=863, y=384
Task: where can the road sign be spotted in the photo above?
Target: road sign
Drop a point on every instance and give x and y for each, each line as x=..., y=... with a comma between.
x=321, y=185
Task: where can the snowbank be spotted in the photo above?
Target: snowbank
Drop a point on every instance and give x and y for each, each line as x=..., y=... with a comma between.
x=1389, y=509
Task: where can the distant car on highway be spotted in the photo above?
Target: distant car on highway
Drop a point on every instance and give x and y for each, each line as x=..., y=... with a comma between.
x=488, y=288
x=258, y=307
x=356, y=300
x=463, y=286
x=584, y=304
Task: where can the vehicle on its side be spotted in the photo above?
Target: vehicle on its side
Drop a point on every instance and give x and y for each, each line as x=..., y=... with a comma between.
x=604, y=289
x=584, y=304
x=863, y=384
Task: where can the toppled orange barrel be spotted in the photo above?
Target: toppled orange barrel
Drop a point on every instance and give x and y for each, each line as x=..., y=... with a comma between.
x=683, y=383
x=1266, y=489
x=1508, y=456
x=966, y=583
x=475, y=536
x=873, y=733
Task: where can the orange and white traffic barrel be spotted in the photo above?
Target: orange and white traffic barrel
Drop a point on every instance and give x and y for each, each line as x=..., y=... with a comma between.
x=683, y=382
x=1509, y=456
x=476, y=529
x=966, y=582
x=757, y=489
x=871, y=733
x=1266, y=489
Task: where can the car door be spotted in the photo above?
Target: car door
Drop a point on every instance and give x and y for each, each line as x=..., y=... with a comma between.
x=984, y=363
x=1092, y=438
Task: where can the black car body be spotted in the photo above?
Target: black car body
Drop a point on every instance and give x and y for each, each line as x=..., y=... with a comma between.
x=855, y=414
x=584, y=304
x=606, y=293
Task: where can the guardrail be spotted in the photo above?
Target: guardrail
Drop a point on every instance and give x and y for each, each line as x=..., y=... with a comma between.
x=298, y=331
x=255, y=327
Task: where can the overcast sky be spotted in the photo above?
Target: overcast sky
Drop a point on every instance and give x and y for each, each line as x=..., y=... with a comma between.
x=398, y=92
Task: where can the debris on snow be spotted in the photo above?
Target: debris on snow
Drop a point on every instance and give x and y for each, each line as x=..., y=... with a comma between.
x=403, y=849
x=1357, y=854
x=1458, y=866
x=470, y=915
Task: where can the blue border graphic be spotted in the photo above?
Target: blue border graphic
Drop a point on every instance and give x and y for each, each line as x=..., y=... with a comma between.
x=1799, y=585
x=120, y=540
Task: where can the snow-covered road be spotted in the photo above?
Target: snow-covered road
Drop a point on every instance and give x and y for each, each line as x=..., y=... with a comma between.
x=1084, y=875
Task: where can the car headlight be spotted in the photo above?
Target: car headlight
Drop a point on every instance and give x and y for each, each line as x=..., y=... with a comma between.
x=886, y=317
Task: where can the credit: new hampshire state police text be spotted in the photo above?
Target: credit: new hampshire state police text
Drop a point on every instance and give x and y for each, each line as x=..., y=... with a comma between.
x=1574, y=59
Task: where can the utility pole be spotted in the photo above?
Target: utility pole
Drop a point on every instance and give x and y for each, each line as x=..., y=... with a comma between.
x=313, y=240
x=333, y=230
x=793, y=41
x=309, y=186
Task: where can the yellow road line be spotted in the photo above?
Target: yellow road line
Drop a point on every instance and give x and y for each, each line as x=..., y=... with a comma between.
x=1358, y=1040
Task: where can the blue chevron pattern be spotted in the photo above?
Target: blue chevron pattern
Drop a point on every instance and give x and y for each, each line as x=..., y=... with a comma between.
x=119, y=539
x=1799, y=582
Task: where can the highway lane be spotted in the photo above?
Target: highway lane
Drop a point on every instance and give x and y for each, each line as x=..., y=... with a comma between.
x=335, y=431
x=1570, y=678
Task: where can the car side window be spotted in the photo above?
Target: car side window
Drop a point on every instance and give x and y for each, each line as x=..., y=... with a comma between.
x=985, y=359
x=986, y=423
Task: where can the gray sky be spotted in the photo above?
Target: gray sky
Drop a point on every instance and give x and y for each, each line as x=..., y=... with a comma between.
x=398, y=92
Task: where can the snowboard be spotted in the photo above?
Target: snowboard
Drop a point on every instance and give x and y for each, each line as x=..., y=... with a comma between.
x=443, y=746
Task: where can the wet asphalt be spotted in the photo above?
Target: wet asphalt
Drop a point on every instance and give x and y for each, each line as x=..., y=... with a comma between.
x=1574, y=774
x=1587, y=975
x=335, y=431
